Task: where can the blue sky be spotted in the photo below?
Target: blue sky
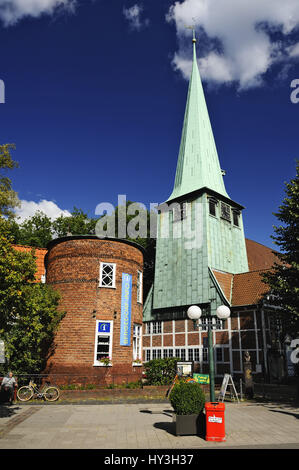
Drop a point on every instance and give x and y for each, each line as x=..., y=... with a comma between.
x=96, y=91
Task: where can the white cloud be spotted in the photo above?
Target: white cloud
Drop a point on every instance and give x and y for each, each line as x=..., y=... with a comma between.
x=294, y=50
x=11, y=11
x=133, y=16
x=29, y=208
x=243, y=31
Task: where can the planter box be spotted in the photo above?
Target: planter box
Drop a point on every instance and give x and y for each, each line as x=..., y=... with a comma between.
x=186, y=425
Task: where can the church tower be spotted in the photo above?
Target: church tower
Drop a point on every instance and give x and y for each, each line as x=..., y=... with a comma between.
x=200, y=236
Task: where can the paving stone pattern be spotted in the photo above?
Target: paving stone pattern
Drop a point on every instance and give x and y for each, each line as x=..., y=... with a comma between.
x=141, y=426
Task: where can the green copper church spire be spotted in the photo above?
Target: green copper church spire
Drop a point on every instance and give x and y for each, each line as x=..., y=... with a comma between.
x=198, y=164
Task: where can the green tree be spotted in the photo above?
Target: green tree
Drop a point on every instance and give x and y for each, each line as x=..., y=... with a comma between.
x=29, y=314
x=35, y=231
x=8, y=198
x=283, y=279
x=30, y=339
x=38, y=230
x=16, y=270
x=76, y=224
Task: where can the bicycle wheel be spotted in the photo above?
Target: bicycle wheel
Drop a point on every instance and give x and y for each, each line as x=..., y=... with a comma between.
x=51, y=393
x=25, y=393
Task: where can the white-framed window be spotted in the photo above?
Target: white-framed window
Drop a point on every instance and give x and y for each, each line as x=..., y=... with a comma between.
x=205, y=354
x=214, y=322
x=137, y=335
x=156, y=327
x=181, y=354
x=103, y=341
x=156, y=353
x=167, y=353
x=139, y=287
x=193, y=354
x=107, y=275
x=148, y=355
x=147, y=328
x=205, y=322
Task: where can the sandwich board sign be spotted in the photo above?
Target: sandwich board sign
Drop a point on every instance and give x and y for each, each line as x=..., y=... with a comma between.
x=227, y=380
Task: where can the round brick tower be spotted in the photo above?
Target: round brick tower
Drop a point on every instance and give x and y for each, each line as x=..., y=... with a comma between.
x=100, y=283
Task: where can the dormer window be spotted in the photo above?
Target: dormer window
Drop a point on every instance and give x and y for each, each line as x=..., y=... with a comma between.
x=225, y=212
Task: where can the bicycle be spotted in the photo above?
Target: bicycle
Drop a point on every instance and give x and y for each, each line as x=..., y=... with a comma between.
x=49, y=393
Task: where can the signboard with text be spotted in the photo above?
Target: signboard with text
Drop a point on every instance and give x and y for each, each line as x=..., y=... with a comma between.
x=125, y=318
x=184, y=368
x=201, y=378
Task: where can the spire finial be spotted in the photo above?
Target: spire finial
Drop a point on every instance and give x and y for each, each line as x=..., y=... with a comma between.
x=194, y=38
x=193, y=31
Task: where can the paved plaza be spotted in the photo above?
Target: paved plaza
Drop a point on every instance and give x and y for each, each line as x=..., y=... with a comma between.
x=140, y=426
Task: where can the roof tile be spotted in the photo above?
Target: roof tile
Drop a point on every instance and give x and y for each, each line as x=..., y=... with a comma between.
x=40, y=254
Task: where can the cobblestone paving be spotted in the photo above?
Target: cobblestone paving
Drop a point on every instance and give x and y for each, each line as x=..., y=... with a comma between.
x=141, y=426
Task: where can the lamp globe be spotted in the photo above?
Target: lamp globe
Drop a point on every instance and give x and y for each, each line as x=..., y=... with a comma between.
x=194, y=312
x=223, y=312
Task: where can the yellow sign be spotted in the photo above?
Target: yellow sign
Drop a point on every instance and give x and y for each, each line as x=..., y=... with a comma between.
x=201, y=378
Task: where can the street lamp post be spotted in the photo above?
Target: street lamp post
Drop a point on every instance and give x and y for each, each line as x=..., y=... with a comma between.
x=194, y=313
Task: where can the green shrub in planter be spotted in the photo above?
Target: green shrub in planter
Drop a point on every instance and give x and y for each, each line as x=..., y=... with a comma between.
x=187, y=398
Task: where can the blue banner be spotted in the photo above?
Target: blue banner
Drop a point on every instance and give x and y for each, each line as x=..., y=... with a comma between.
x=125, y=320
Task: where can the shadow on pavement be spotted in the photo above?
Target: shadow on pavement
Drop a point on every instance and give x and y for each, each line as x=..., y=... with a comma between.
x=273, y=404
x=7, y=411
x=296, y=415
x=166, y=426
x=157, y=412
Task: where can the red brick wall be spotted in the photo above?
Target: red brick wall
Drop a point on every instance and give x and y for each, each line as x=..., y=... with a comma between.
x=73, y=267
x=180, y=325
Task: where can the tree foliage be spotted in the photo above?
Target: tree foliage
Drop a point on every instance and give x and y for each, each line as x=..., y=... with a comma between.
x=29, y=313
x=30, y=338
x=160, y=371
x=34, y=231
x=284, y=278
x=39, y=229
x=77, y=224
x=8, y=197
